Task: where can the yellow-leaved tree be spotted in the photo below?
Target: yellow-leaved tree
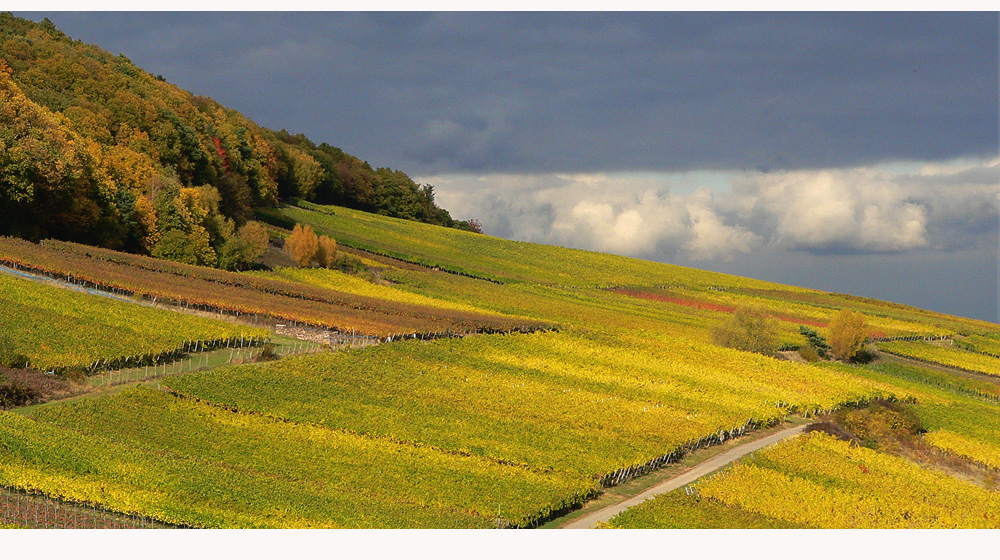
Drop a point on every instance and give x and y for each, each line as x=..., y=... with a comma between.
x=848, y=333
x=748, y=329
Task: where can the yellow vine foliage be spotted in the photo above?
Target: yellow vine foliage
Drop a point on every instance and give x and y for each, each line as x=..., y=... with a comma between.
x=978, y=451
x=820, y=481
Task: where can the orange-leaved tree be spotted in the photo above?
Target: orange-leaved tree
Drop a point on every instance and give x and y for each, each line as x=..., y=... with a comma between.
x=327, y=250
x=302, y=244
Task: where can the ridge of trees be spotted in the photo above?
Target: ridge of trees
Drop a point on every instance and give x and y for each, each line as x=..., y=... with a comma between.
x=93, y=149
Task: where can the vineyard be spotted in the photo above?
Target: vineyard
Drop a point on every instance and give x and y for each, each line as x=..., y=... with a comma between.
x=336, y=280
x=316, y=460
x=980, y=388
x=35, y=510
x=683, y=509
x=989, y=345
x=967, y=429
x=954, y=357
x=514, y=262
x=556, y=401
x=818, y=481
x=431, y=377
x=245, y=296
x=57, y=329
x=492, y=258
x=490, y=430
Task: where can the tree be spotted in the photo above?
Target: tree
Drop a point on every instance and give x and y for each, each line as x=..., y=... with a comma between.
x=302, y=244
x=173, y=245
x=327, y=250
x=242, y=249
x=256, y=239
x=475, y=225
x=848, y=333
x=748, y=329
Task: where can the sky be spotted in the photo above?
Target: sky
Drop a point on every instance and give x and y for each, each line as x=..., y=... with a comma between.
x=848, y=152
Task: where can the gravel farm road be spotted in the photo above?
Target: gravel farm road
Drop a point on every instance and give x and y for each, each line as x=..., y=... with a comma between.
x=696, y=472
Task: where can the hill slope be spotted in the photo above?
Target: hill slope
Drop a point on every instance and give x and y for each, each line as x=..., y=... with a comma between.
x=479, y=431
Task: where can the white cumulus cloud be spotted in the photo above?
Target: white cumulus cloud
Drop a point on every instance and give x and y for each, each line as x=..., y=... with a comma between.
x=880, y=209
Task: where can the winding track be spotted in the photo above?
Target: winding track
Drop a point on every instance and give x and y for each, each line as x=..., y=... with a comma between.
x=701, y=469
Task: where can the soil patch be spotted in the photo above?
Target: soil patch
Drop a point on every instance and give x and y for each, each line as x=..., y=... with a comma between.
x=792, y=356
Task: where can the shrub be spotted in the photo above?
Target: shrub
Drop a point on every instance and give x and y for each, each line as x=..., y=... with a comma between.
x=809, y=353
x=848, y=333
x=748, y=329
x=866, y=355
x=267, y=353
x=349, y=264
x=16, y=395
x=815, y=340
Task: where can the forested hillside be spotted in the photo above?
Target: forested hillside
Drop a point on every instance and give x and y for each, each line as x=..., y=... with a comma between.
x=96, y=150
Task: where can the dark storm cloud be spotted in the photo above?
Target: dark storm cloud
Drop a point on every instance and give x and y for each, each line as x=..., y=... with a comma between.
x=458, y=92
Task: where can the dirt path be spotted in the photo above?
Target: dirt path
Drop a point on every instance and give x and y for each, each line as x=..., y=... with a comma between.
x=694, y=473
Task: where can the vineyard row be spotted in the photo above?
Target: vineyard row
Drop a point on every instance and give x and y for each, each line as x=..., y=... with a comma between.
x=927, y=360
x=34, y=509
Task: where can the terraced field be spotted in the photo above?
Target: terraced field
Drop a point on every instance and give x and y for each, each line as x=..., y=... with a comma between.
x=556, y=401
x=243, y=294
